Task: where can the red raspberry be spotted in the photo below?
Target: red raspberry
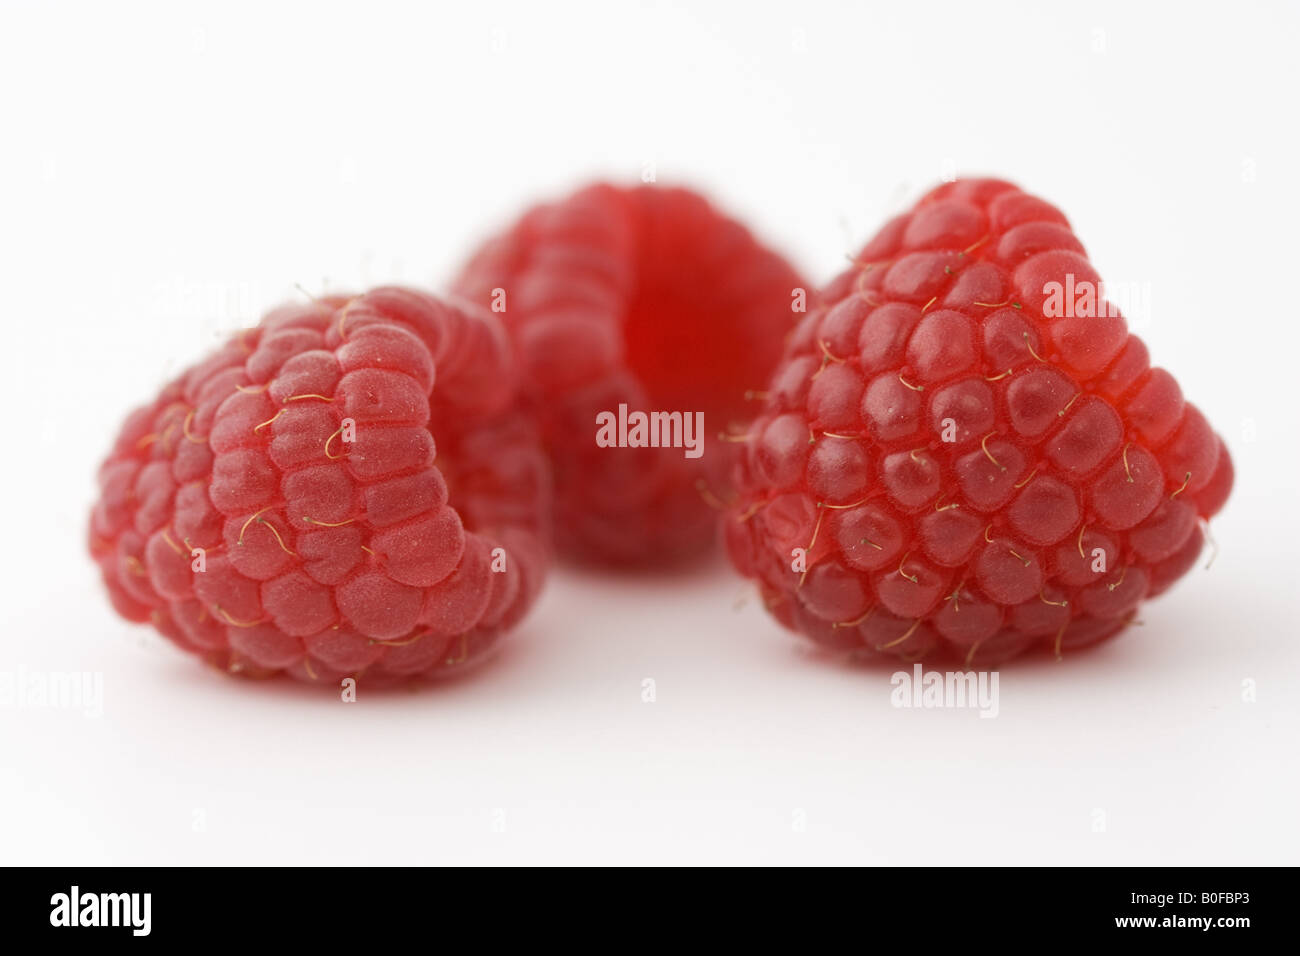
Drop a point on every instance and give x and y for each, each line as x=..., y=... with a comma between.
x=647, y=297
x=330, y=550
x=969, y=467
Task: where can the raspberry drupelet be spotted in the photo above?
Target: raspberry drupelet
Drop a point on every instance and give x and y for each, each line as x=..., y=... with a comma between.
x=965, y=451
x=652, y=298
x=343, y=490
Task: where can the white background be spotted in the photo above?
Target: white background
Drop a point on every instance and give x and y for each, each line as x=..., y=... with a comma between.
x=166, y=175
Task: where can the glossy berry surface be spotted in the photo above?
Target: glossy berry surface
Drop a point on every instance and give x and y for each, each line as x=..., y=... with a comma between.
x=648, y=297
x=963, y=450
x=341, y=491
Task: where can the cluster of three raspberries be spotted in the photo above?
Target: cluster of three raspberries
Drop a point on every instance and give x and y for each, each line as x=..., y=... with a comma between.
x=928, y=456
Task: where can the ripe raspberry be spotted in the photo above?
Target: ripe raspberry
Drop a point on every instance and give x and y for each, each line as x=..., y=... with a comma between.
x=969, y=467
x=647, y=297
x=330, y=550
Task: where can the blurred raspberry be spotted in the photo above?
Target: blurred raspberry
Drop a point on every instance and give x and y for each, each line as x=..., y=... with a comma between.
x=971, y=450
x=278, y=507
x=647, y=297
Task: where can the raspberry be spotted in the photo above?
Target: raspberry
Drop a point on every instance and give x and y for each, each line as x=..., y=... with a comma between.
x=651, y=298
x=278, y=507
x=964, y=451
